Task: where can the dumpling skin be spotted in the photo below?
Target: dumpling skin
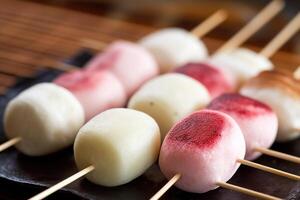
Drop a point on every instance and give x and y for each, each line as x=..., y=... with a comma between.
x=47, y=117
x=203, y=148
x=120, y=143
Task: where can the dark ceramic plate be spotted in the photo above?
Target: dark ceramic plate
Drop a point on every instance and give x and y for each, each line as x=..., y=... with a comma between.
x=41, y=172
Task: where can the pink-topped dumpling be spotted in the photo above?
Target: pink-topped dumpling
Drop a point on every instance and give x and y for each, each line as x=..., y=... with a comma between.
x=131, y=63
x=96, y=91
x=257, y=121
x=203, y=148
x=211, y=77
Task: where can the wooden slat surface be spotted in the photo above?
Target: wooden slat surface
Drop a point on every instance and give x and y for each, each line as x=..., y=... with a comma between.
x=32, y=35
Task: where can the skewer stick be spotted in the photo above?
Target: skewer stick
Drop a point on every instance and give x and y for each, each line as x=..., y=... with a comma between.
x=249, y=192
x=269, y=169
x=264, y=16
x=166, y=187
x=229, y=186
x=175, y=178
x=63, y=183
x=278, y=154
x=282, y=37
x=61, y=66
x=9, y=143
x=209, y=23
x=297, y=73
x=65, y=67
x=203, y=28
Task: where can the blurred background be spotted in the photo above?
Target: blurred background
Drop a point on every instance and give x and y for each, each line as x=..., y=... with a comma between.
x=188, y=13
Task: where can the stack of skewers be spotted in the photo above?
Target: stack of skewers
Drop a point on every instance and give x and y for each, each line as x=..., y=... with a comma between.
x=200, y=116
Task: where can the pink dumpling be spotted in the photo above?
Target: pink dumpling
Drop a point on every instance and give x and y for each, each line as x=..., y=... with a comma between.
x=96, y=91
x=257, y=121
x=213, y=78
x=132, y=64
x=203, y=148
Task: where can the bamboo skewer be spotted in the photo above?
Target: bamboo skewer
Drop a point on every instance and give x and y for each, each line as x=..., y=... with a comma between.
x=210, y=23
x=9, y=143
x=268, y=51
x=200, y=30
x=166, y=187
x=282, y=37
x=269, y=169
x=175, y=178
x=63, y=183
x=246, y=191
x=225, y=185
x=91, y=168
x=264, y=16
x=278, y=154
x=207, y=25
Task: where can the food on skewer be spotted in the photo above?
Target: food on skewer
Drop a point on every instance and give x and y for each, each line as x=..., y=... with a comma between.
x=203, y=148
x=213, y=78
x=241, y=64
x=281, y=92
x=113, y=148
x=45, y=117
x=168, y=98
x=89, y=130
x=173, y=47
x=125, y=77
x=257, y=121
x=235, y=66
x=97, y=91
x=120, y=143
x=129, y=62
x=160, y=43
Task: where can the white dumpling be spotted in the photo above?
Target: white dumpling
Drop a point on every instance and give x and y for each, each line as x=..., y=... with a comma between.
x=173, y=47
x=281, y=92
x=241, y=64
x=170, y=97
x=46, y=117
x=120, y=143
x=286, y=107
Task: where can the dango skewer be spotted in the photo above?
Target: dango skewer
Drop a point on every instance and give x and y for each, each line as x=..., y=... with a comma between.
x=69, y=82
